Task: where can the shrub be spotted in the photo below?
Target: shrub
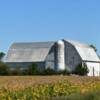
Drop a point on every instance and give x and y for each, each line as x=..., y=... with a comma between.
x=2, y=54
x=49, y=71
x=16, y=71
x=24, y=72
x=32, y=69
x=64, y=72
x=4, y=69
x=81, y=70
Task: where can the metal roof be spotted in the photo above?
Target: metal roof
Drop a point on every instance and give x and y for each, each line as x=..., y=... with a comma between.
x=37, y=51
x=86, y=52
x=29, y=52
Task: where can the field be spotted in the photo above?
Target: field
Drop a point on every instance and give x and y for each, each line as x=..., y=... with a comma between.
x=45, y=87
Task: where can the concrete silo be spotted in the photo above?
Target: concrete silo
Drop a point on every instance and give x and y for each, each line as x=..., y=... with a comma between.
x=60, y=56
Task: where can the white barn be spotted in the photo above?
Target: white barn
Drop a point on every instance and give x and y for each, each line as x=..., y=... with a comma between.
x=57, y=55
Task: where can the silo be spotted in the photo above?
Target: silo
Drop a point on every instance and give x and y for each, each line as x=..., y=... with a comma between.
x=60, y=56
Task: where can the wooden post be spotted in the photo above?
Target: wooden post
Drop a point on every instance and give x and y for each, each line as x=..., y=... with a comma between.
x=99, y=69
x=93, y=72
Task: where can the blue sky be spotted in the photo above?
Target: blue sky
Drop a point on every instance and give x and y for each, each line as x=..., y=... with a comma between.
x=44, y=20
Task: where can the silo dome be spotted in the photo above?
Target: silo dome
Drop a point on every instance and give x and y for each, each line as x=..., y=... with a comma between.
x=60, y=42
x=60, y=56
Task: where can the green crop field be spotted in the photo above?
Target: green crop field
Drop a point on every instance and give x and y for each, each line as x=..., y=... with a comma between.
x=49, y=87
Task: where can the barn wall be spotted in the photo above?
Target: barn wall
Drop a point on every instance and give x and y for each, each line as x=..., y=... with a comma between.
x=18, y=64
x=94, y=68
x=40, y=65
x=72, y=58
x=50, y=59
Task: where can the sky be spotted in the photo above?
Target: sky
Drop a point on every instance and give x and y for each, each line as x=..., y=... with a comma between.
x=47, y=20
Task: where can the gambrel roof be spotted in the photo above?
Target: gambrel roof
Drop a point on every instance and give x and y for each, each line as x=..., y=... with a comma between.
x=38, y=51
x=86, y=52
x=29, y=52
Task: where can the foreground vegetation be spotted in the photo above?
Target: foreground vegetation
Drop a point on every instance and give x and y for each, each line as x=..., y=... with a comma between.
x=47, y=87
x=33, y=69
x=94, y=95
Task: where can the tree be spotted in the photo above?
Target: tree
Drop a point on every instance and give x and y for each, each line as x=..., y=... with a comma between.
x=81, y=70
x=4, y=69
x=94, y=47
x=32, y=69
x=2, y=54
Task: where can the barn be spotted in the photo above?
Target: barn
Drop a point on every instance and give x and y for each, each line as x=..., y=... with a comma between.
x=57, y=55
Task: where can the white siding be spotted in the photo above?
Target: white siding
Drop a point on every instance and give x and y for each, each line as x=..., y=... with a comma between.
x=94, y=69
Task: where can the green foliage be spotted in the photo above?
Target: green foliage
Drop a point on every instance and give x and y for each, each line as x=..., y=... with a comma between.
x=2, y=54
x=81, y=70
x=32, y=69
x=49, y=71
x=16, y=71
x=4, y=69
x=95, y=49
x=24, y=71
x=64, y=72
